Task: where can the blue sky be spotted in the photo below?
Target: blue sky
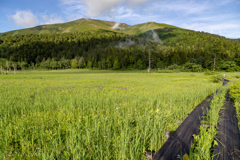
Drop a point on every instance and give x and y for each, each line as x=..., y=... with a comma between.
x=220, y=17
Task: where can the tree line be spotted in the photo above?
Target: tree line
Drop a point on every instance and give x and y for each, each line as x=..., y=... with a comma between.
x=193, y=51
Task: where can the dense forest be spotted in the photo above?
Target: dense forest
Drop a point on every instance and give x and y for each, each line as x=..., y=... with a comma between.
x=103, y=49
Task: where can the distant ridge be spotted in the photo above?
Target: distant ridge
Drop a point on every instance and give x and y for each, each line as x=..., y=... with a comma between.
x=84, y=24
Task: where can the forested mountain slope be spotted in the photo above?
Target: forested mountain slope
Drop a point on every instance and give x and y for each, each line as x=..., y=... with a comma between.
x=93, y=43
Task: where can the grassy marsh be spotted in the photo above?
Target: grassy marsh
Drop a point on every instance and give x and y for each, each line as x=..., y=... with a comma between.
x=82, y=114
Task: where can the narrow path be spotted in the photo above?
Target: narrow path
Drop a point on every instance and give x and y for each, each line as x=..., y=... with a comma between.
x=180, y=141
x=228, y=147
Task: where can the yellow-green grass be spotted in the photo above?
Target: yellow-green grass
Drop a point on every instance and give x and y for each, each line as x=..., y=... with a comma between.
x=84, y=114
x=235, y=95
x=206, y=139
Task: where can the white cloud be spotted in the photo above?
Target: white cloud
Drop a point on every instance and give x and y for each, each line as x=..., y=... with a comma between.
x=228, y=30
x=125, y=13
x=25, y=18
x=74, y=17
x=73, y=9
x=52, y=19
x=97, y=7
x=204, y=26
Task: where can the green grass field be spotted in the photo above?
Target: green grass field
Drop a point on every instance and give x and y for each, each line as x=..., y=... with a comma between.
x=84, y=114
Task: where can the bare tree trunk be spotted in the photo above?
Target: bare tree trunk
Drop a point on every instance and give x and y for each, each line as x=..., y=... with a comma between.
x=7, y=65
x=14, y=67
x=149, y=67
x=1, y=70
x=214, y=63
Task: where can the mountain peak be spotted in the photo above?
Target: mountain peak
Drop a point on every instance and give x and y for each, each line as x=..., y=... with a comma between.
x=86, y=24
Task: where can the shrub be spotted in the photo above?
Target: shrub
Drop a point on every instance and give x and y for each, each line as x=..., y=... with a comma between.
x=140, y=64
x=116, y=64
x=210, y=72
x=217, y=78
x=89, y=64
x=235, y=91
x=160, y=64
x=235, y=95
x=229, y=66
x=74, y=63
x=174, y=67
x=193, y=67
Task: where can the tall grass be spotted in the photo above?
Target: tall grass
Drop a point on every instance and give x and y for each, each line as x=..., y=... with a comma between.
x=235, y=95
x=71, y=115
x=204, y=142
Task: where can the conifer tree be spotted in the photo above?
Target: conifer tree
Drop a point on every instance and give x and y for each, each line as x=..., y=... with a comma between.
x=116, y=64
x=74, y=64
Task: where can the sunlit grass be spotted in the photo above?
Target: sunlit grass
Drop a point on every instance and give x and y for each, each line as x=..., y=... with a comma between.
x=205, y=141
x=83, y=114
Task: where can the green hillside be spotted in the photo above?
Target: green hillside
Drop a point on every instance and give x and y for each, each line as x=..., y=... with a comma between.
x=94, y=44
x=144, y=27
x=83, y=25
x=169, y=34
x=80, y=25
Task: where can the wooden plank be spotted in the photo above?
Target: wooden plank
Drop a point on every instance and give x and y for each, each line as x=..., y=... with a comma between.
x=228, y=134
x=180, y=141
